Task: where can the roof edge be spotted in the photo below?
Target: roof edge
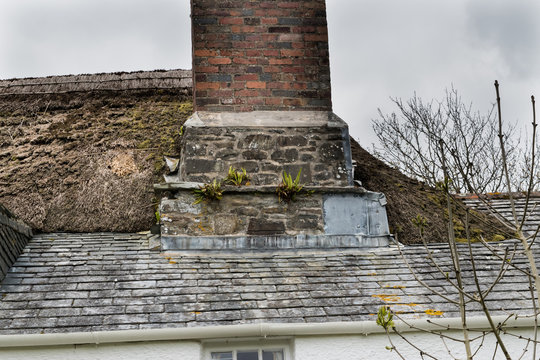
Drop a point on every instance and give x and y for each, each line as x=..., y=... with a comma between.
x=254, y=330
x=118, y=81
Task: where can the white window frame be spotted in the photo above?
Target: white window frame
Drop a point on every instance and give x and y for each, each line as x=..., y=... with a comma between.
x=235, y=346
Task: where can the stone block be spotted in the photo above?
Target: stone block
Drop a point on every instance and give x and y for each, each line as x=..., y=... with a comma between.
x=294, y=140
x=254, y=154
x=304, y=222
x=330, y=151
x=225, y=224
x=322, y=176
x=200, y=166
x=195, y=149
x=226, y=154
x=246, y=211
x=267, y=179
x=288, y=155
x=306, y=157
x=200, y=178
x=257, y=141
x=265, y=227
x=250, y=166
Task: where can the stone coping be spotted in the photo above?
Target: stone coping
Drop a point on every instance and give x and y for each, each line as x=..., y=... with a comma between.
x=189, y=186
x=279, y=119
x=16, y=225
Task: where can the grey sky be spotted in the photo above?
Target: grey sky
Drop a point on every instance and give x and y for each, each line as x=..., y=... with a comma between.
x=378, y=48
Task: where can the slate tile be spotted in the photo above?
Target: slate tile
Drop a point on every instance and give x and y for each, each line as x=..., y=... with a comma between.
x=20, y=313
x=177, y=299
x=51, y=295
x=219, y=315
x=8, y=305
x=144, y=309
x=31, y=323
x=259, y=313
x=171, y=317
x=301, y=312
x=44, y=304
x=54, y=287
x=103, y=310
x=92, y=302
x=125, y=319
x=59, y=312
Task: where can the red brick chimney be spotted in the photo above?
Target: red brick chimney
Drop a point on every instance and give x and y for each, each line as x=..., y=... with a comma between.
x=260, y=55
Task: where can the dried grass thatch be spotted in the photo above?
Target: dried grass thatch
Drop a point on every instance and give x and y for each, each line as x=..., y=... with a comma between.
x=81, y=153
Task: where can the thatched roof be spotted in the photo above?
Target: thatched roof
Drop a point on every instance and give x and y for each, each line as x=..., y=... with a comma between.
x=81, y=152
x=138, y=80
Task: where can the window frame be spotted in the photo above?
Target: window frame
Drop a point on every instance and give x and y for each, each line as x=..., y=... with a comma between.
x=258, y=345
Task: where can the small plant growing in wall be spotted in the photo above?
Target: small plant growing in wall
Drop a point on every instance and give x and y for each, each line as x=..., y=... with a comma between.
x=208, y=192
x=238, y=178
x=289, y=188
x=156, y=228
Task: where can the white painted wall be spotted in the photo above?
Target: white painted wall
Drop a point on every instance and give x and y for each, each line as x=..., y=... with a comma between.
x=372, y=347
x=166, y=350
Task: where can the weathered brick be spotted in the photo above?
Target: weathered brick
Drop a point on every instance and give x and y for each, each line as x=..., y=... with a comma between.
x=236, y=38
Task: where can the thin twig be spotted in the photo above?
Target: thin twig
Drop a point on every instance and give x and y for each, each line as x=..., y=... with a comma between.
x=503, y=154
x=422, y=352
x=455, y=255
x=481, y=299
x=531, y=288
x=392, y=346
x=531, y=178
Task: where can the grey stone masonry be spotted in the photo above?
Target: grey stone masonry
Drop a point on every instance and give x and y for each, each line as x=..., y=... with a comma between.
x=314, y=144
x=14, y=236
x=253, y=218
x=242, y=213
x=266, y=144
x=96, y=282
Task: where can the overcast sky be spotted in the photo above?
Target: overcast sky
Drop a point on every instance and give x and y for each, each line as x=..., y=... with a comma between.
x=378, y=48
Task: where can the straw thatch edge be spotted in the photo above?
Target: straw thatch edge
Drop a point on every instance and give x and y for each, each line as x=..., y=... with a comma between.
x=137, y=80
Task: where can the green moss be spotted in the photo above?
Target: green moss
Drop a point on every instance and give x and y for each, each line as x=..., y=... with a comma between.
x=498, y=237
x=159, y=164
x=144, y=144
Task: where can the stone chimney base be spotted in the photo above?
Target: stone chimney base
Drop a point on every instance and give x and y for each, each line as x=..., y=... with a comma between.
x=329, y=212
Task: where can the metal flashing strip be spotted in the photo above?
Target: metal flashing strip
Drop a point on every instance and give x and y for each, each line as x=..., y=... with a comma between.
x=273, y=242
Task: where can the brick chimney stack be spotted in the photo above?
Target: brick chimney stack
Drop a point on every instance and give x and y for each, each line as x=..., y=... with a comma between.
x=260, y=55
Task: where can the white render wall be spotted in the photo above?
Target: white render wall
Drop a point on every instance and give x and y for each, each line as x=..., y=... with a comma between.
x=163, y=350
x=373, y=347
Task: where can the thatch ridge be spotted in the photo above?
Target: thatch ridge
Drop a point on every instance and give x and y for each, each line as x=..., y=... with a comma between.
x=137, y=80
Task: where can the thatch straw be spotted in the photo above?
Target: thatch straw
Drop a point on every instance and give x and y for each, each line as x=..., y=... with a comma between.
x=139, y=80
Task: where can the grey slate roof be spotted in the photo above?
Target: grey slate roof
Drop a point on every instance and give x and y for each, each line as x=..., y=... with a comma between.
x=501, y=204
x=93, y=282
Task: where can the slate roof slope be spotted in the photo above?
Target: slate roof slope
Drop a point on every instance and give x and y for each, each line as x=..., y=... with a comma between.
x=501, y=204
x=94, y=282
